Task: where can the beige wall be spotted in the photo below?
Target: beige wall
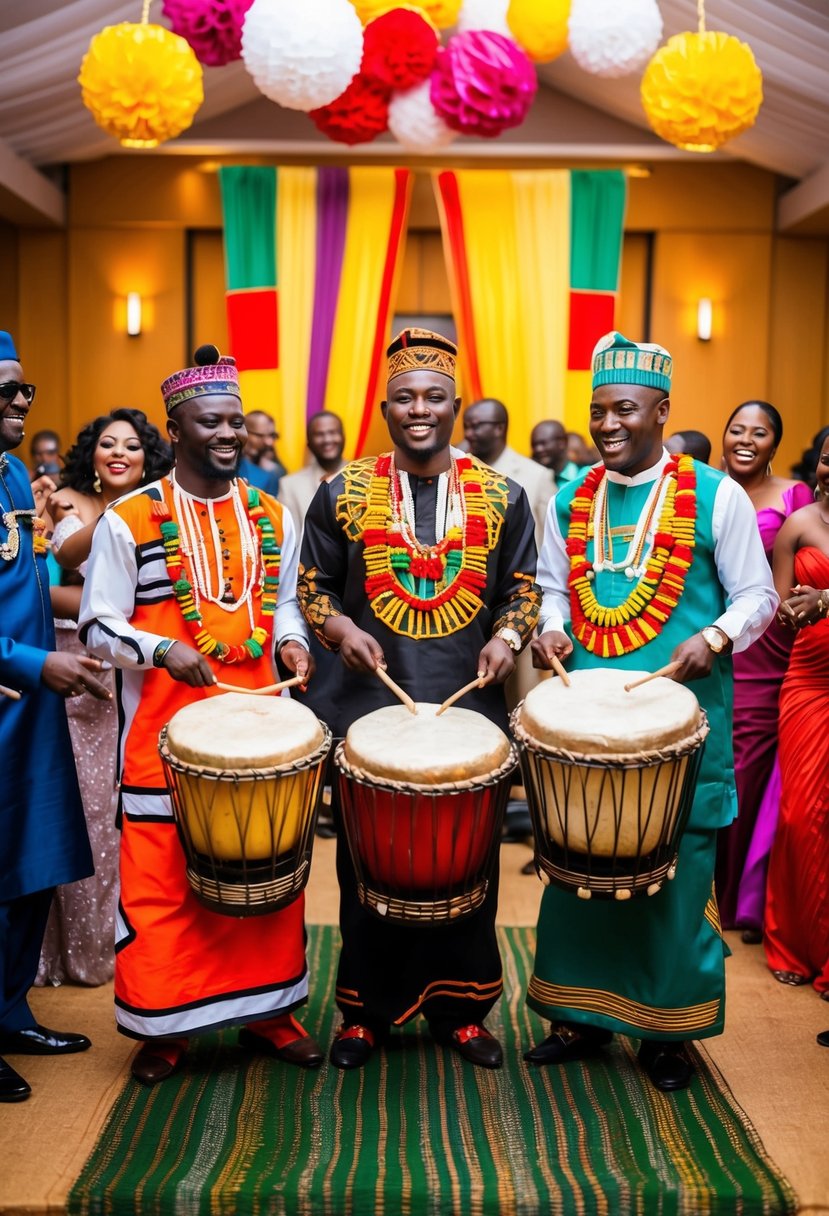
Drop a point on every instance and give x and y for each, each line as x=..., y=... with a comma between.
x=152, y=224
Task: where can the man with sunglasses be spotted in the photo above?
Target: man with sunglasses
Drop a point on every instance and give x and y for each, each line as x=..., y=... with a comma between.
x=43, y=840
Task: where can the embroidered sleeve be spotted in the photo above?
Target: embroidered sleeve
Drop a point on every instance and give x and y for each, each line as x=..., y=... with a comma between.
x=517, y=595
x=323, y=565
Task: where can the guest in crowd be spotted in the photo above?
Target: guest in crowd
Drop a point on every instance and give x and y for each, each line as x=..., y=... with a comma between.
x=45, y=454
x=580, y=451
x=806, y=468
x=548, y=443
x=797, y=899
x=326, y=441
x=111, y=456
x=693, y=443
x=750, y=441
x=43, y=840
x=260, y=466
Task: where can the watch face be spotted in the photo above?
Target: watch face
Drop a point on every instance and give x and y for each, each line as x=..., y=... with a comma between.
x=714, y=639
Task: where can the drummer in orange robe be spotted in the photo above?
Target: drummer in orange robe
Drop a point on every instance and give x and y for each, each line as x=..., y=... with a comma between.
x=388, y=974
x=181, y=968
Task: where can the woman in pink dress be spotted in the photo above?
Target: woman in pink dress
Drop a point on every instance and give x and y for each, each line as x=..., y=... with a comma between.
x=750, y=441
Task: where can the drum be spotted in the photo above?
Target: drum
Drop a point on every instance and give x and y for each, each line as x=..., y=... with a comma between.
x=423, y=801
x=245, y=779
x=610, y=778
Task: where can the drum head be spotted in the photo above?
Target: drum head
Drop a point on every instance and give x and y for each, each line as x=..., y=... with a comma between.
x=238, y=731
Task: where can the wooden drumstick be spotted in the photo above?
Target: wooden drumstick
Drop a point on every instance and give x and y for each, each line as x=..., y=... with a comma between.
x=667, y=670
x=478, y=682
x=263, y=692
x=560, y=670
x=11, y=693
x=396, y=689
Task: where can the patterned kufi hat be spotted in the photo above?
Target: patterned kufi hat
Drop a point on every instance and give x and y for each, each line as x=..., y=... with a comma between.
x=416, y=349
x=213, y=375
x=617, y=360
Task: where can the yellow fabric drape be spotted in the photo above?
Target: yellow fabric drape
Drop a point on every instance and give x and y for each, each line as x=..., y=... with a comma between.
x=296, y=234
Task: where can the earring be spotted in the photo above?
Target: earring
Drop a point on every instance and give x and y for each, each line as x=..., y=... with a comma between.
x=96, y=484
x=768, y=469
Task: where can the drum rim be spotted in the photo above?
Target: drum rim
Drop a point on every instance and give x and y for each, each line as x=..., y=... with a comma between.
x=494, y=777
x=640, y=759
x=249, y=774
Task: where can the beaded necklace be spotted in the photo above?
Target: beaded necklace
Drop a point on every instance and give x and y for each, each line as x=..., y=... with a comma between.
x=261, y=558
x=640, y=618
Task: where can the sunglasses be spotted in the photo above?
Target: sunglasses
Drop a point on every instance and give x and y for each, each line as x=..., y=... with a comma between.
x=10, y=388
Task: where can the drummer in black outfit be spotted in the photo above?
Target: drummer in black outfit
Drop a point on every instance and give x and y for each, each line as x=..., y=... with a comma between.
x=423, y=491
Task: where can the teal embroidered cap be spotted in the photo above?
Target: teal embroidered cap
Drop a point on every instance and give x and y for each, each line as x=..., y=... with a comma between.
x=617, y=360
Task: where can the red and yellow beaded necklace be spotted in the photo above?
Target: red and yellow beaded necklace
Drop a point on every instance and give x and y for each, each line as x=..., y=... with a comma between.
x=640, y=618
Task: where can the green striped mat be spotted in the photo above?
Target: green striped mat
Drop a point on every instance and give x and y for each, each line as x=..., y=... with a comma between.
x=419, y=1132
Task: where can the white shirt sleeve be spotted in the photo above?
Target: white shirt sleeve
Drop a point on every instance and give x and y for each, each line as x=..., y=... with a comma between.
x=108, y=599
x=742, y=566
x=289, y=623
x=552, y=576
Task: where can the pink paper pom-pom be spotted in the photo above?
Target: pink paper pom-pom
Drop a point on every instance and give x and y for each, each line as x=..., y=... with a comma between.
x=212, y=27
x=482, y=83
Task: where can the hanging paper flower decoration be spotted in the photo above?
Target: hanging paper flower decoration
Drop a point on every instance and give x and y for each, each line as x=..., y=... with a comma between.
x=141, y=83
x=614, y=37
x=482, y=83
x=212, y=27
x=358, y=116
x=399, y=48
x=484, y=15
x=702, y=89
x=302, y=56
x=414, y=122
x=441, y=13
x=367, y=10
x=539, y=27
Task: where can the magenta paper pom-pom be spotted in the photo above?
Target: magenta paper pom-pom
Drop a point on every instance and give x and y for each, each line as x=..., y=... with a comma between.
x=212, y=27
x=482, y=83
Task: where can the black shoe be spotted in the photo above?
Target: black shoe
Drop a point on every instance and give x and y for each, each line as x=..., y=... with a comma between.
x=566, y=1042
x=325, y=830
x=352, y=1047
x=12, y=1086
x=39, y=1041
x=475, y=1044
x=751, y=937
x=517, y=823
x=303, y=1051
x=666, y=1064
x=823, y=1038
x=149, y=1067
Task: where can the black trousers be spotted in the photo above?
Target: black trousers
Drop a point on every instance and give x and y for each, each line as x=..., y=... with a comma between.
x=22, y=925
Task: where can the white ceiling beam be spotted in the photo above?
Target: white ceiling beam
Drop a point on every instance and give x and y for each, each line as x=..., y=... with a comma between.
x=28, y=196
x=804, y=200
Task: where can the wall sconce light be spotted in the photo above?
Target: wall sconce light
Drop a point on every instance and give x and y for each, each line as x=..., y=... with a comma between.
x=133, y=314
x=704, y=313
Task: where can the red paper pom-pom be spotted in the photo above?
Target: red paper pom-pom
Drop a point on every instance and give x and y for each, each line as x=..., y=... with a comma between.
x=358, y=115
x=399, y=48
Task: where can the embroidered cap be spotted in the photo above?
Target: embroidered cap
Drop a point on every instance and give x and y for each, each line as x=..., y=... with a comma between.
x=617, y=360
x=7, y=348
x=213, y=375
x=415, y=349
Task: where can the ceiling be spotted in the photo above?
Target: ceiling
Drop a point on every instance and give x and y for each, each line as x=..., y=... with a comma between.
x=43, y=122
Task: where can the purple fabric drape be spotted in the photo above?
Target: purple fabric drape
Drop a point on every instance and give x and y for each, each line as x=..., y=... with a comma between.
x=332, y=218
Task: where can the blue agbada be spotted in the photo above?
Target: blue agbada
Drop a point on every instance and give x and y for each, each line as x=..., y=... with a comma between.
x=43, y=839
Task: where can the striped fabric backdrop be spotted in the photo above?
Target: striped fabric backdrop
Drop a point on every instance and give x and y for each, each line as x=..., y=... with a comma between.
x=533, y=259
x=311, y=259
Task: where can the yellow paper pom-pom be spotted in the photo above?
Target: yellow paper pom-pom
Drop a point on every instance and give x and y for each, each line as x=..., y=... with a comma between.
x=700, y=90
x=540, y=27
x=141, y=83
x=441, y=13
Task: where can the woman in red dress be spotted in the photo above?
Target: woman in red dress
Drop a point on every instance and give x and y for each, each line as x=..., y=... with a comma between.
x=797, y=902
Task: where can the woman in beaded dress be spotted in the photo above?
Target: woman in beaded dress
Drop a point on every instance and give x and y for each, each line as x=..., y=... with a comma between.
x=750, y=441
x=111, y=457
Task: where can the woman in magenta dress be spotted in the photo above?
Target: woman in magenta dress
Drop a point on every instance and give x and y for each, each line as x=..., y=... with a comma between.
x=750, y=441
x=797, y=908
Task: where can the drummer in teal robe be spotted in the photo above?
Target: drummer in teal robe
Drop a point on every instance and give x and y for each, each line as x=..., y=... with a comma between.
x=652, y=967
x=43, y=840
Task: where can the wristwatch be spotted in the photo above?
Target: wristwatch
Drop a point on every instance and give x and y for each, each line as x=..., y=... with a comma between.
x=512, y=639
x=715, y=638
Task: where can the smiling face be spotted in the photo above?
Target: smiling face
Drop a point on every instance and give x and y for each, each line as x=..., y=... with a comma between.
x=326, y=440
x=208, y=435
x=420, y=413
x=118, y=459
x=626, y=422
x=548, y=441
x=822, y=470
x=13, y=414
x=749, y=444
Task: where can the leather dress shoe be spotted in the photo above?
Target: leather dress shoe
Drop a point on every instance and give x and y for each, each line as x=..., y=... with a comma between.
x=149, y=1068
x=305, y=1052
x=823, y=1038
x=40, y=1041
x=666, y=1064
x=13, y=1088
x=565, y=1042
x=751, y=937
x=352, y=1047
x=475, y=1044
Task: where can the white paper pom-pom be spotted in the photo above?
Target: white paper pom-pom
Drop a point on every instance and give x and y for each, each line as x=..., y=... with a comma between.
x=484, y=15
x=414, y=123
x=614, y=37
x=302, y=55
